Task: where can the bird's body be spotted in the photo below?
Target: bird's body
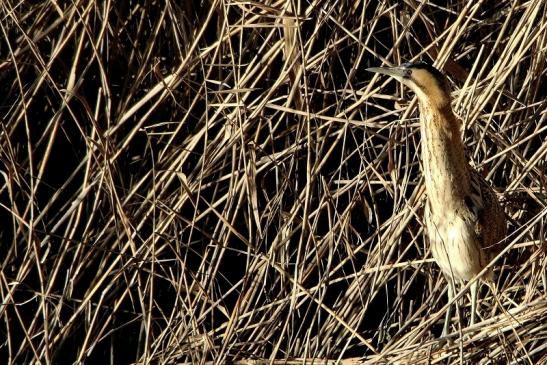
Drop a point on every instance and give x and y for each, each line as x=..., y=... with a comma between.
x=463, y=219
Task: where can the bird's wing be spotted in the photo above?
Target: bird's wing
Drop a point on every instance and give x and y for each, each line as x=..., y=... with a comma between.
x=475, y=201
x=485, y=213
x=475, y=205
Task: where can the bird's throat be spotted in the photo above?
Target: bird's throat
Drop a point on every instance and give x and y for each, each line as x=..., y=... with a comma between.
x=445, y=168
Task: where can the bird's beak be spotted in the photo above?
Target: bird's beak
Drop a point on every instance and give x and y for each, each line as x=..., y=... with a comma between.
x=397, y=73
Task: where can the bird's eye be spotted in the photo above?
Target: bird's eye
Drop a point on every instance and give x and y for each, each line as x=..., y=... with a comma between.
x=407, y=73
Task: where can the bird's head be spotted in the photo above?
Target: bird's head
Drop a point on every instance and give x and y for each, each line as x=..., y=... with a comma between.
x=430, y=85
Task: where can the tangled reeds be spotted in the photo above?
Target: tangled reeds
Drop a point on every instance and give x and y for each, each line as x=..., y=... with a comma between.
x=221, y=181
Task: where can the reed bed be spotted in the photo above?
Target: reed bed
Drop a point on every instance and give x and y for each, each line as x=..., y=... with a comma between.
x=222, y=182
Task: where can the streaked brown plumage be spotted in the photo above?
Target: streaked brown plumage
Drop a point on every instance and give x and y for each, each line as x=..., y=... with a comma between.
x=463, y=219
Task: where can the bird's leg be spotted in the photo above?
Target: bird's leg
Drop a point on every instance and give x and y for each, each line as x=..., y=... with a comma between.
x=448, y=315
x=474, y=290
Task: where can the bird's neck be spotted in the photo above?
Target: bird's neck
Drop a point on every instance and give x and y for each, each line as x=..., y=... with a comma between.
x=445, y=167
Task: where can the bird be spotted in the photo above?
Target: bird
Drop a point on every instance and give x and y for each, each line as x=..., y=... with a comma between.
x=463, y=219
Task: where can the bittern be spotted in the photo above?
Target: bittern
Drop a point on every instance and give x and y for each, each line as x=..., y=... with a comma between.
x=464, y=221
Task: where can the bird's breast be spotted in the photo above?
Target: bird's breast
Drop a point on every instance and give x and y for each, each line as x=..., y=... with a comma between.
x=454, y=244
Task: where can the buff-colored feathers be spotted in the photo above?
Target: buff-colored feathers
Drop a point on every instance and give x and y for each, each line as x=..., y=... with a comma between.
x=463, y=219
